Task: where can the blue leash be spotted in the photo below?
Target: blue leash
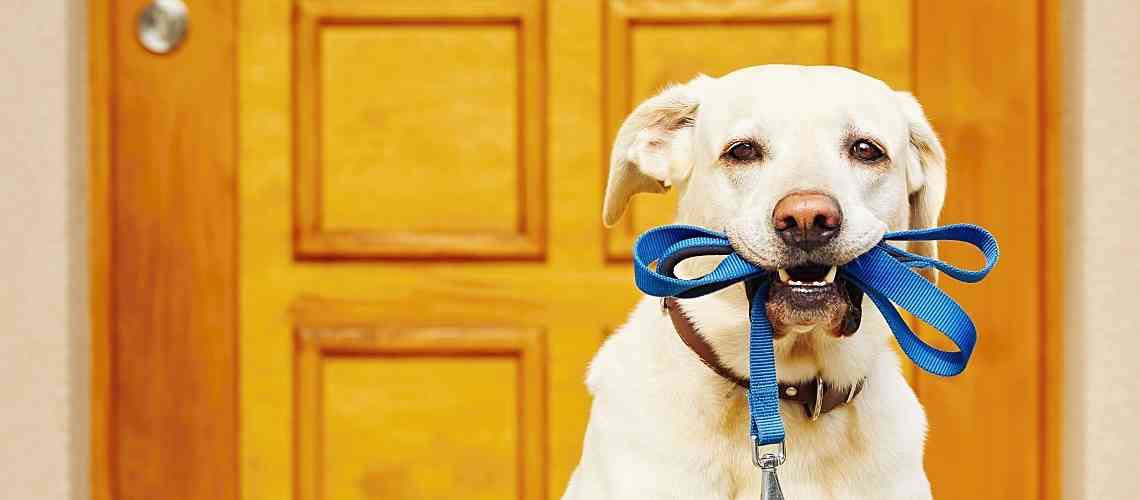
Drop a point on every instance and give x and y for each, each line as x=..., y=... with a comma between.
x=884, y=273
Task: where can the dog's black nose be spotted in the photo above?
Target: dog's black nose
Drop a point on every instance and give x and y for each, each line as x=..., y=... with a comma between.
x=807, y=220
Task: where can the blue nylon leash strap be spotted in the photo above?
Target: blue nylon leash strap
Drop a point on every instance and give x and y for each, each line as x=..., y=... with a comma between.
x=884, y=273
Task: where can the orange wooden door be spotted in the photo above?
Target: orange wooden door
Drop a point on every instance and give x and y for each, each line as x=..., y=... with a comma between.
x=416, y=275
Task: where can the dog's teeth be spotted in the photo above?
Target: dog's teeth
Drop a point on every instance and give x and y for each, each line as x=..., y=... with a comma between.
x=796, y=283
x=819, y=283
x=831, y=275
x=783, y=275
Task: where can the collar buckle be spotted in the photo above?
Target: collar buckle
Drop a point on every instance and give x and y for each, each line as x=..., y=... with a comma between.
x=817, y=406
x=853, y=390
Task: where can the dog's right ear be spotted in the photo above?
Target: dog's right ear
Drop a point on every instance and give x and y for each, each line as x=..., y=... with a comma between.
x=653, y=148
x=926, y=177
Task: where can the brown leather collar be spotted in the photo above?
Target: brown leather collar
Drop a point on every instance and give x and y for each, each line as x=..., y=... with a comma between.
x=817, y=396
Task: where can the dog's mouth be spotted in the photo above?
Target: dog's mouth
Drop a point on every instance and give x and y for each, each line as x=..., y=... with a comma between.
x=814, y=296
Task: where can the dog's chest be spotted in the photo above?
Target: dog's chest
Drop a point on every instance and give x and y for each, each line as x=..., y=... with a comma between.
x=815, y=469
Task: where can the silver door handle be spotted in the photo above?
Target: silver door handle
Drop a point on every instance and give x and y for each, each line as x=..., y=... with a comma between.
x=162, y=25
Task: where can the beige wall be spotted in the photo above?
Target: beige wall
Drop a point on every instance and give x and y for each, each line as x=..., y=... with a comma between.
x=1102, y=114
x=43, y=344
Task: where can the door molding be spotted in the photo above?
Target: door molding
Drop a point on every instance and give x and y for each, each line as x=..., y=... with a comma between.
x=99, y=241
x=1051, y=60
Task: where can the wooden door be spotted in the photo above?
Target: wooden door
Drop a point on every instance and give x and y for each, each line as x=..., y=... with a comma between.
x=411, y=275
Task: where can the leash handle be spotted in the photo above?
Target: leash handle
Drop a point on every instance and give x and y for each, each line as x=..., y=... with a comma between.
x=882, y=274
x=966, y=233
x=667, y=246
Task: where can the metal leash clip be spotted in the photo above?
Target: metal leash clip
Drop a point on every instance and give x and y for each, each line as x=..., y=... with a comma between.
x=767, y=462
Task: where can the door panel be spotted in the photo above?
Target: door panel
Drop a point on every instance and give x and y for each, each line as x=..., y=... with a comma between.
x=418, y=412
x=389, y=123
x=361, y=460
x=652, y=44
x=400, y=119
x=666, y=53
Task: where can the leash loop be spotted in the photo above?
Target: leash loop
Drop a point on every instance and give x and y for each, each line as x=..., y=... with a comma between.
x=885, y=273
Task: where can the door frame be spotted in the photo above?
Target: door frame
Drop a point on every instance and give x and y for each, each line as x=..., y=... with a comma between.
x=1051, y=56
x=106, y=392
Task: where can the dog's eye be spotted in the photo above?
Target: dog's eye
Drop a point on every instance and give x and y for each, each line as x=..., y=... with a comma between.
x=867, y=151
x=743, y=151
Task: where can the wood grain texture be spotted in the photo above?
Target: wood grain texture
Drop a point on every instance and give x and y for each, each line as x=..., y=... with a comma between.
x=171, y=283
x=462, y=409
x=981, y=88
x=386, y=152
x=387, y=127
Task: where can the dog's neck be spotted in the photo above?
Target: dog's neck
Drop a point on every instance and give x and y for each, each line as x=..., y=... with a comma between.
x=801, y=354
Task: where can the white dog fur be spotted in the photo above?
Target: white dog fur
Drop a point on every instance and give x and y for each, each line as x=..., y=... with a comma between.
x=663, y=425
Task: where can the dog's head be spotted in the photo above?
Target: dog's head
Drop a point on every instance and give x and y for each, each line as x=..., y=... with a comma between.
x=804, y=168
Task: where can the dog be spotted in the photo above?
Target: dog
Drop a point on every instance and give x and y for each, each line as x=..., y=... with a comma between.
x=804, y=168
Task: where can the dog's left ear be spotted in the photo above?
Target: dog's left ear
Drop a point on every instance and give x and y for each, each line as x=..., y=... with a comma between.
x=925, y=176
x=653, y=148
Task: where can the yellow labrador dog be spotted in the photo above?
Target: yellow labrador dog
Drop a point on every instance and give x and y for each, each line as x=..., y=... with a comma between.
x=804, y=168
